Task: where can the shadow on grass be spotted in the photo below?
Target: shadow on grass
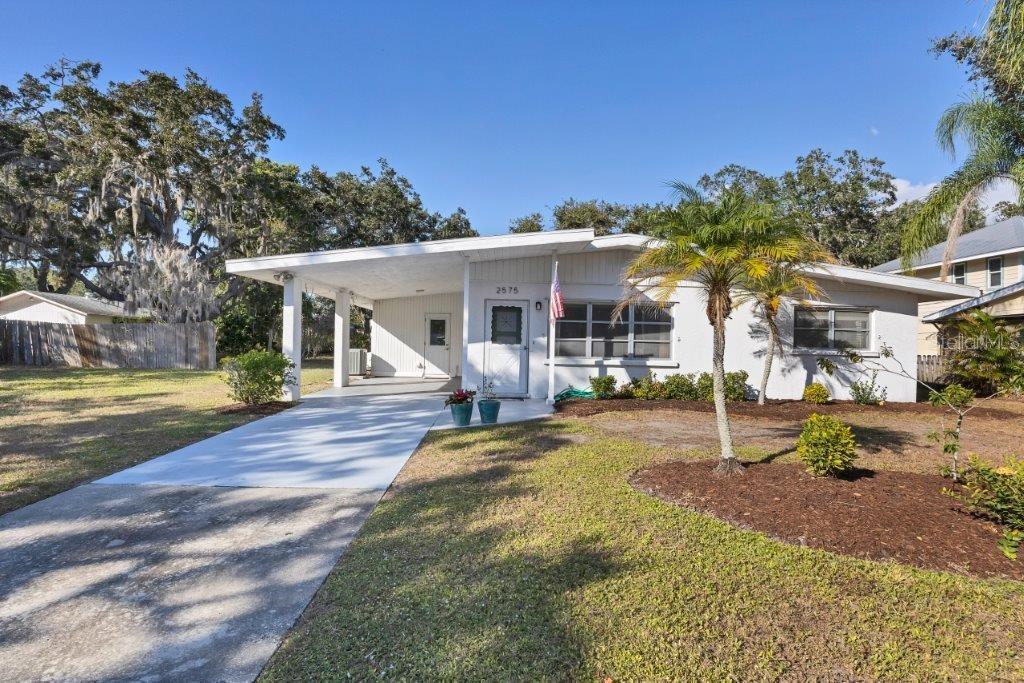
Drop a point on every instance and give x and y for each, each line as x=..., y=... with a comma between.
x=424, y=590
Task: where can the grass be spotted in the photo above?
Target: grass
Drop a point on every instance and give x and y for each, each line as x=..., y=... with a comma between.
x=522, y=553
x=61, y=426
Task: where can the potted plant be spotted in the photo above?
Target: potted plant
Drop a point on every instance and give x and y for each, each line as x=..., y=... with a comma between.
x=461, y=402
x=489, y=404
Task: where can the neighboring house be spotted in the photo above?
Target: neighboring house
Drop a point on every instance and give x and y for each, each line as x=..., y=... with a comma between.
x=46, y=307
x=991, y=259
x=477, y=308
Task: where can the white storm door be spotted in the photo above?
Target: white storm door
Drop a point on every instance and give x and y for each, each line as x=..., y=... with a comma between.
x=507, y=350
x=437, y=351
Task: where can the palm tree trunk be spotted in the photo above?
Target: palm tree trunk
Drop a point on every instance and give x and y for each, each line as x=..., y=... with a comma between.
x=728, y=463
x=769, y=355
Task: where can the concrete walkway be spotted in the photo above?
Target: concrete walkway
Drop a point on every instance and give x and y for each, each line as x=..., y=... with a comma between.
x=193, y=565
x=351, y=441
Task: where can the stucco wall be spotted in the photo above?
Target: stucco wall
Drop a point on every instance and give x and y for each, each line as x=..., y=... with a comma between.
x=398, y=329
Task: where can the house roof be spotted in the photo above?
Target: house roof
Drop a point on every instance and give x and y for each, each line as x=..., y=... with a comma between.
x=432, y=267
x=992, y=240
x=995, y=296
x=396, y=270
x=77, y=304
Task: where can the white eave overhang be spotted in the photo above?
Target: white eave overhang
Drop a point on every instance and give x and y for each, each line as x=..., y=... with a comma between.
x=932, y=290
x=397, y=270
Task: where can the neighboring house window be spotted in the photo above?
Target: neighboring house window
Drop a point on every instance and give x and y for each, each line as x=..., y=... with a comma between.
x=995, y=272
x=831, y=328
x=960, y=273
x=587, y=331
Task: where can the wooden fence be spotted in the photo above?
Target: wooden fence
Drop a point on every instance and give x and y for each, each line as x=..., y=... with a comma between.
x=931, y=369
x=118, y=345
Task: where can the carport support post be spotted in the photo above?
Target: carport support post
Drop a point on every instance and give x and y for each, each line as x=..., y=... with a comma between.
x=342, y=309
x=291, y=336
x=464, y=370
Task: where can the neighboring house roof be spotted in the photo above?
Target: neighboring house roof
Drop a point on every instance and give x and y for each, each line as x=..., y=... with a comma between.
x=995, y=296
x=432, y=267
x=992, y=240
x=77, y=304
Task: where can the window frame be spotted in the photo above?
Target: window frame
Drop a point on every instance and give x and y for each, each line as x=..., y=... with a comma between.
x=960, y=279
x=831, y=310
x=1000, y=272
x=628, y=320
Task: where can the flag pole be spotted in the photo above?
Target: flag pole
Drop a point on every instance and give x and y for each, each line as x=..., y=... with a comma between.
x=551, y=330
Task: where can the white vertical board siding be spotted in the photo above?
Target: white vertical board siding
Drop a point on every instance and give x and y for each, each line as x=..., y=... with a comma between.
x=597, y=268
x=398, y=333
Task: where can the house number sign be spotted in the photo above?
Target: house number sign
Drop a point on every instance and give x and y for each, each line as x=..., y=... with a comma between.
x=508, y=289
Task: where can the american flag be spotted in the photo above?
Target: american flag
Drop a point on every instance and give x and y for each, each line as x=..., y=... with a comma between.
x=557, y=299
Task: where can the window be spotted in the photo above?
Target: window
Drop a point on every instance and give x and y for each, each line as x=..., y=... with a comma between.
x=995, y=272
x=831, y=328
x=438, y=333
x=507, y=325
x=960, y=273
x=587, y=330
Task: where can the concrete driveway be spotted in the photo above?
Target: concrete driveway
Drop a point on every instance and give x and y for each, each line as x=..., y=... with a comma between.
x=193, y=565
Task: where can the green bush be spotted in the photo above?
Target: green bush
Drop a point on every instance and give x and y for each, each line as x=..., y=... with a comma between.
x=257, y=376
x=997, y=493
x=826, y=446
x=816, y=393
x=681, y=388
x=603, y=387
x=867, y=392
x=647, y=388
x=735, y=386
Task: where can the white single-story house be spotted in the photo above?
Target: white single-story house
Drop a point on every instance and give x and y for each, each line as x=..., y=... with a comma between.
x=477, y=309
x=47, y=307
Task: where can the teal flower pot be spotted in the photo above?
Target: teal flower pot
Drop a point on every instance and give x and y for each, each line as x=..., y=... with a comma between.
x=489, y=411
x=462, y=413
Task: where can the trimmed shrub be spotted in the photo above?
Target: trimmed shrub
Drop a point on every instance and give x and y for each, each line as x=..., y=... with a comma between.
x=826, y=445
x=647, y=388
x=603, y=387
x=681, y=388
x=816, y=393
x=257, y=376
x=867, y=392
x=735, y=386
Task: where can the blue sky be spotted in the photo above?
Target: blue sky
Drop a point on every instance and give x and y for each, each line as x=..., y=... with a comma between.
x=506, y=108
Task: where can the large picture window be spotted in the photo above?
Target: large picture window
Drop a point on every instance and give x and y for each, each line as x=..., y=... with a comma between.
x=587, y=331
x=832, y=328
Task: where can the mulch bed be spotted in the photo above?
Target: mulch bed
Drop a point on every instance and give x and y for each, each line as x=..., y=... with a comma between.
x=271, y=408
x=879, y=515
x=790, y=410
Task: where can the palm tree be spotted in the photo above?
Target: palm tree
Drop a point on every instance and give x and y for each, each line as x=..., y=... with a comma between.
x=992, y=126
x=784, y=281
x=994, y=133
x=723, y=244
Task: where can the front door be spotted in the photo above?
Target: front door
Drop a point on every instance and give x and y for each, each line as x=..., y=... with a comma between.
x=507, y=351
x=437, y=354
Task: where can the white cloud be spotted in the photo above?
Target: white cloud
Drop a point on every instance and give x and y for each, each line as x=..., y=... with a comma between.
x=873, y=130
x=1001, y=191
x=907, y=191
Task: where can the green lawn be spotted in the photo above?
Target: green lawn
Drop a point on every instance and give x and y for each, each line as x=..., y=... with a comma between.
x=60, y=427
x=522, y=553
